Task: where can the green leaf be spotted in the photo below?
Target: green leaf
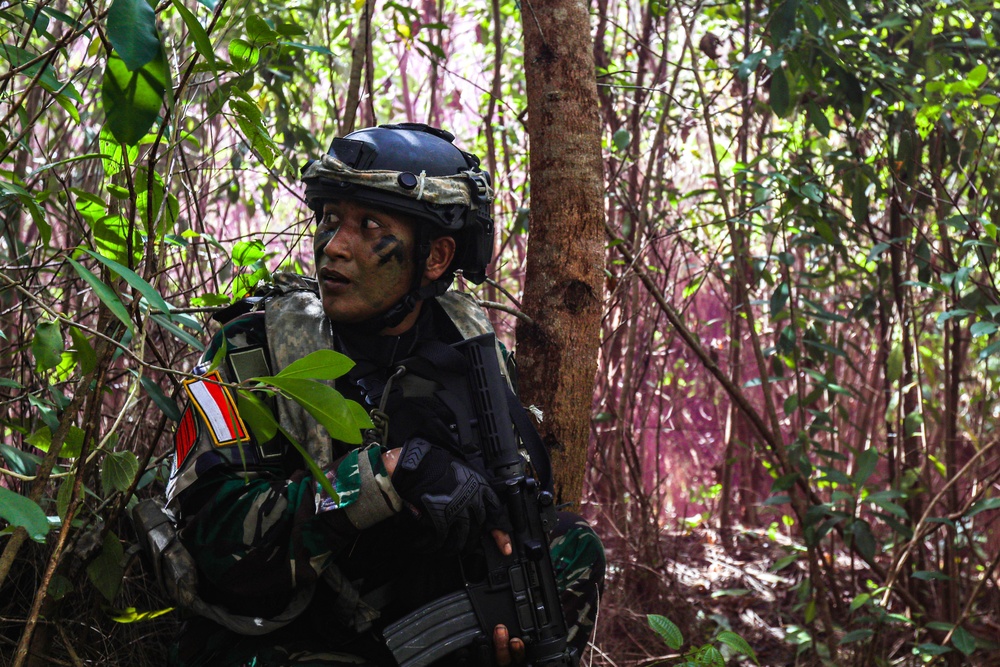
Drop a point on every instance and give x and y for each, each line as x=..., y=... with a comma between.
x=64, y=495
x=963, y=640
x=23, y=463
x=931, y=649
x=860, y=600
x=866, y=462
x=324, y=403
x=104, y=293
x=318, y=365
x=117, y=471
x=930, y=575
x=257, y=415
x=132, y=615
x=47, y=345
x=201, y=41
x=135, y=280
x=856, y=636
x=132, y=32
x=982, y=329
x=983, y=506
x=894, y=369
x=664, y=627
x=20, y=511
x=178, y=332
x=737, y=643
x=246, y=253
x=17, y=57
x=243, y=54
x=106, y=571
x=712, y=657
x=259, y=31
x=863, y=538
x=162, y=401
x=783, y=20
x=132, y=100
x=59, y=586
x=71, y=447
x=780, y=95
x=749, y=65
x=82, y=350
x=621, y=139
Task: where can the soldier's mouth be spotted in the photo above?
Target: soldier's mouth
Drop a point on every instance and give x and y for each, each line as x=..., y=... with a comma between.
x=333, y=278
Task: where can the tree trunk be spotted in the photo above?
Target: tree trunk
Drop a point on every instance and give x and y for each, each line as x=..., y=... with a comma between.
x=563, y=293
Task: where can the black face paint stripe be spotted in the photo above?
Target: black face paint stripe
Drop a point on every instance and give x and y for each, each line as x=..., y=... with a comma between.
x=389, y=248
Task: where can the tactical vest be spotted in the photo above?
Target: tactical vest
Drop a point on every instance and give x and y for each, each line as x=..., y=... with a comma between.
x=296, y=326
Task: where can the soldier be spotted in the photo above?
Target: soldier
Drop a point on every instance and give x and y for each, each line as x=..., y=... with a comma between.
x=287, y=574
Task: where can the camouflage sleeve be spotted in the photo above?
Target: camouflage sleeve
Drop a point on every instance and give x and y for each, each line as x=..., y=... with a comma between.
x=257, y=524
x=256, y=538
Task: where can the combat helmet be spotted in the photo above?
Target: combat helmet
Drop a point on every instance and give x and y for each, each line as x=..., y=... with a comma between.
x=415, y=170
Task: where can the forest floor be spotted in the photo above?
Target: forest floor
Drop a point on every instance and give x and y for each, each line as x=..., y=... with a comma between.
x=703, y=588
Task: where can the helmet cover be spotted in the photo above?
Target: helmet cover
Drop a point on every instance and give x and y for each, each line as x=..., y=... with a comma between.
x=414, y=170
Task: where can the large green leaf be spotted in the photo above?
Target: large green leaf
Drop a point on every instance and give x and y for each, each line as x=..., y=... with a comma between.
x=23, y=463
x=132, y=31
x=327, y=405
x=318, y=365
x=132, y=100
x=20, y=511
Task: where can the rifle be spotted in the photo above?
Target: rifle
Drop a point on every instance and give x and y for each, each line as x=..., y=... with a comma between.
x=519, y=590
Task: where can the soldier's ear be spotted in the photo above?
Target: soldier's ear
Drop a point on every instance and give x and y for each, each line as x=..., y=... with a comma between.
x=439, y=259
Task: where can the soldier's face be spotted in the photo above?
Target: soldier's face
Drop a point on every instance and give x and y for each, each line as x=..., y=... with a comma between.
x=364, y=260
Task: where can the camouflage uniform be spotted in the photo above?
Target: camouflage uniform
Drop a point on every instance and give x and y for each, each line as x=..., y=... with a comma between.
x=287, y=574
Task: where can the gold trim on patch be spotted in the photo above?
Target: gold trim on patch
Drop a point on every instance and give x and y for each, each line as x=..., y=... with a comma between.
x=209, y=394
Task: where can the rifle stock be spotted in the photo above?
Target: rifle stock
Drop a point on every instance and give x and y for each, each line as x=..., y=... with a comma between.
x=519, y=590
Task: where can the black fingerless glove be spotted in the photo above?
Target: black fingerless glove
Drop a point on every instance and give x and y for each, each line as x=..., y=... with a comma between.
x=450, y=497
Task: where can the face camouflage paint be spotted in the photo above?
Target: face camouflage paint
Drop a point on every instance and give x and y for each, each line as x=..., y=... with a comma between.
x=364, y=260
x=389, y=248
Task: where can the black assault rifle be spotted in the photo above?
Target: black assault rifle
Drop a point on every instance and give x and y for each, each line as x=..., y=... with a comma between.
x=519, y=590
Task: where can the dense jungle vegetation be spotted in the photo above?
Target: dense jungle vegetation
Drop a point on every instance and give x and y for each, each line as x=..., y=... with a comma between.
x=792, y=428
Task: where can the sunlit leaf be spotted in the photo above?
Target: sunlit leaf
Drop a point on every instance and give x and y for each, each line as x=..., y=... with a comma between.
x=318, y=365
x=132, y=100
x=327, y=405
x=666, y=628
x=257, y=416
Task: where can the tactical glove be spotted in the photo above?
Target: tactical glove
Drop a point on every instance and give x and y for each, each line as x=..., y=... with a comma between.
x=450, y=497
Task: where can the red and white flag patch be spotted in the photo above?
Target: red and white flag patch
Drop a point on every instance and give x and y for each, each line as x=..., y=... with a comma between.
x=216, y=406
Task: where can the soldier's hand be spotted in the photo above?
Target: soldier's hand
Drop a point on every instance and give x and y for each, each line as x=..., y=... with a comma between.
x=508, y=650
x=449, y=495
